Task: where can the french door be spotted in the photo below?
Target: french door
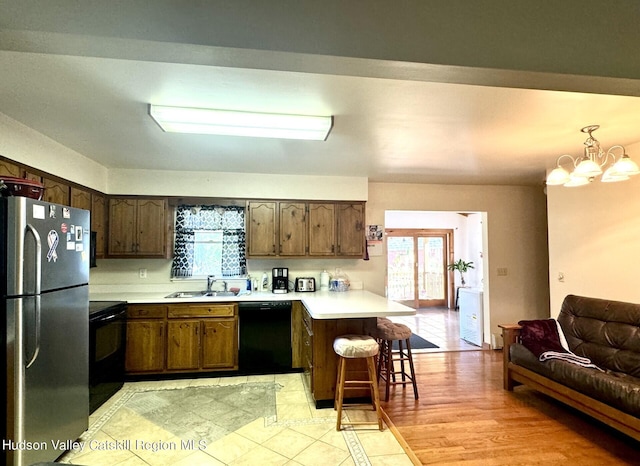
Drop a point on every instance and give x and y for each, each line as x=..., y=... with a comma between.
x=417, y=266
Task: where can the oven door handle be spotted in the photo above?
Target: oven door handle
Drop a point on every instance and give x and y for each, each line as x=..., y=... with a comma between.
x=108, y=318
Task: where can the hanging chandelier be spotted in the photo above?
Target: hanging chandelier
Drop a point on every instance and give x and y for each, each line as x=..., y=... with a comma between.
x=593, y=163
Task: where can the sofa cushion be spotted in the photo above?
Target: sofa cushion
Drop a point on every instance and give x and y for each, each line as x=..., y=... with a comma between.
x=616, y=389
x=607, y=332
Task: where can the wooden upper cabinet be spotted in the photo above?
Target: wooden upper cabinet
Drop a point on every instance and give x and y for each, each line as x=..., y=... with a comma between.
x=293, y=228
x=261, y=234
x=10, y=169
x=122, y=221
x=55, y=192
x=322, y=227
x=80, y=198
x=98, y=222
x=350, y=229
x=137, y=227
x=151, y=227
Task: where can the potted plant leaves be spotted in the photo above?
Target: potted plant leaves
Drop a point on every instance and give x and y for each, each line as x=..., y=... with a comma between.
x=462, y=267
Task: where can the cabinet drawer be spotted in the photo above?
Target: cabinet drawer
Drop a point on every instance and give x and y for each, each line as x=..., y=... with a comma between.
x=203, y=310
x=146, y=311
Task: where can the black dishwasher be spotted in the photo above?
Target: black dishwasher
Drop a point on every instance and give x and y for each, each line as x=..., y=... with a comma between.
x=265, y=337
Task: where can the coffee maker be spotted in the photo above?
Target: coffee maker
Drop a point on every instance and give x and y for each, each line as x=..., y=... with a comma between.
x=280, y=280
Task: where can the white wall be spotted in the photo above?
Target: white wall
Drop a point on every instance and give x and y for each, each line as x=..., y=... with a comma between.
x=594, y=240
x=22, y=144
x=516, y=240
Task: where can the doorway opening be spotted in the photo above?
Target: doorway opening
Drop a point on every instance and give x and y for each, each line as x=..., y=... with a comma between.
x=417, y=261
x=419, y=247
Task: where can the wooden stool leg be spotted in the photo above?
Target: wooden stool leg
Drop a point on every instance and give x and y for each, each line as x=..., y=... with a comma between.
x=375, y=394
x=340, y=390
x=380, y=359
x=389, y=369
x=402, y=357
x=413, y=372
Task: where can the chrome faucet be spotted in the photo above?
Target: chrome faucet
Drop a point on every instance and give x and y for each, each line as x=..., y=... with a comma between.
x=211, y=279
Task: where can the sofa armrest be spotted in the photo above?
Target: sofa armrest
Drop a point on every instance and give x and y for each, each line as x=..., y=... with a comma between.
x=510, y=335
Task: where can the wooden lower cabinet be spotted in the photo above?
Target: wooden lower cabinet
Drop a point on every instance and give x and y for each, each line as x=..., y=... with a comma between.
x=320, y=362
x=145, y=346
x=182, y=338
x=220, y=343
x=183, y=345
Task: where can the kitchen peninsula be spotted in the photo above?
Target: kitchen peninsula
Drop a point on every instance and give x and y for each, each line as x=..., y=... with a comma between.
x=316, y=319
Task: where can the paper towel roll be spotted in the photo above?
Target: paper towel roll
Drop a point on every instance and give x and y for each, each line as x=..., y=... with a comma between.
x=324, y=281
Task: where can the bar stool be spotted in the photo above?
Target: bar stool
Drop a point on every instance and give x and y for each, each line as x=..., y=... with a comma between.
x=356, y=347
x=386, y=334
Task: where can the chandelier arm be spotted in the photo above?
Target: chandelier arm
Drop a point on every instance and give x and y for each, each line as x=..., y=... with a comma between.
x=610, y=151
x=573, y=160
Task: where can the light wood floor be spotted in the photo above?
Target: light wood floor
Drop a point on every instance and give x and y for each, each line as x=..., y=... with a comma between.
x=464, y=416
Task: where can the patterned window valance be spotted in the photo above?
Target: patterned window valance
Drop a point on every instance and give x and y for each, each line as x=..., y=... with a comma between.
x=229, y=219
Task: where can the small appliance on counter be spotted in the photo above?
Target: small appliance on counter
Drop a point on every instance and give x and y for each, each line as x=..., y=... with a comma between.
x=304, y=284
x=280, y=280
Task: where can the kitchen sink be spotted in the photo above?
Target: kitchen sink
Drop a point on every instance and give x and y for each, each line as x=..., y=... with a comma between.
x=200, y=294
x=218, y=293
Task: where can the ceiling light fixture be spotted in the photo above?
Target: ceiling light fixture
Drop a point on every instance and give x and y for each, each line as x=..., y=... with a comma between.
x=591, y=164
x=235, y=123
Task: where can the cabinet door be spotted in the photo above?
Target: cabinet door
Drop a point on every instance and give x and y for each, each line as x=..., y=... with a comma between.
x=220, y=343
x=262, y=228
x=98, y=221
x=145, y=346
x=9, y=169
x=55, y=192
x=293, y=229
x=150, y=227
x=322, y=237
x=350, y=229
x=80, y=198
x=122, y=222
x=183, y=344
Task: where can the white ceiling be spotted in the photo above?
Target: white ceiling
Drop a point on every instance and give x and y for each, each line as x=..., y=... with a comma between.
x=391, y=128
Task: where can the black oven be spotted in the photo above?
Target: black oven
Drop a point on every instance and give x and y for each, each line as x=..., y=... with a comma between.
x=107, y=339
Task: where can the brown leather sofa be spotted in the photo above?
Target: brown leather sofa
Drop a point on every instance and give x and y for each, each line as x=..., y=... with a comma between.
x=608, y=333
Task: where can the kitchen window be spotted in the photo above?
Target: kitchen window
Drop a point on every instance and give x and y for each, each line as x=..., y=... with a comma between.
x=210, y=240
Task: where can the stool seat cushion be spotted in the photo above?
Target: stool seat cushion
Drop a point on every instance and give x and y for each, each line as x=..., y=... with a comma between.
x=355, y=346
x=393, y=332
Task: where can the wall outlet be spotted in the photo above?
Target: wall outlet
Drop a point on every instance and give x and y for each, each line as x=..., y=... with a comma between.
x=142, y=273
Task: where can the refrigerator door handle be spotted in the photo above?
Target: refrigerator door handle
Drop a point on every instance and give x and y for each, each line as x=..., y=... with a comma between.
x=38, y=284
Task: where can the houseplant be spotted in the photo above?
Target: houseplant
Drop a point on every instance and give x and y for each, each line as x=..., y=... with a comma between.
x=462, y=267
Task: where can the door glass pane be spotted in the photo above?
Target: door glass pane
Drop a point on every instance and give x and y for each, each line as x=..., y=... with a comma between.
x=430, y=268
x=400, y=263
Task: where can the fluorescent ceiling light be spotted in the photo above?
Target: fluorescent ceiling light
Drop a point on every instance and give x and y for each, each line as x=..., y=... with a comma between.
x=234, y=123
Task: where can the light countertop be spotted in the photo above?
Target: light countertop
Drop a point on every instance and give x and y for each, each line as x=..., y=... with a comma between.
x=320, y=304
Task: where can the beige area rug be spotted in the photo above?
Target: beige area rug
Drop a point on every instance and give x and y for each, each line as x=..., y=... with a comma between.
x=195, y=418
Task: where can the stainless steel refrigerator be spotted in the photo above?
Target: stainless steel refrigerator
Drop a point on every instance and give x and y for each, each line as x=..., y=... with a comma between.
x=44, y=257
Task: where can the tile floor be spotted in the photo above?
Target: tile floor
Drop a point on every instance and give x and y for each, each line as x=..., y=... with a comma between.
x=299, y=434
x=440, y=326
